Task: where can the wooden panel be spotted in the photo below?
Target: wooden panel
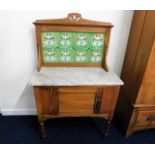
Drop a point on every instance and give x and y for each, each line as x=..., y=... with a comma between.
x=75, y=114
x=131, y=52
x=149, y=75
x=138, y=51
x=146, y=94
x=38, y=100
x=43, y=98
x=143, y=52
x=109, y=99
x=72, y=29
x=147, y=90
x=76, y=102
x=72, y=64
x=145, y=118
x=83, y=99
x=46, y=98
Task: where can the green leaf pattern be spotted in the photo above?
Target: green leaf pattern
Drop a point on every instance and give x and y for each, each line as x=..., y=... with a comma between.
x=72, y=47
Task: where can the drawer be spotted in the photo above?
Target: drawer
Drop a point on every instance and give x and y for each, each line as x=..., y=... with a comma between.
x=145, y=118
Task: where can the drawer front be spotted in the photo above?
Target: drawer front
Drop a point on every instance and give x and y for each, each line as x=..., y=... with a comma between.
x=145, y=118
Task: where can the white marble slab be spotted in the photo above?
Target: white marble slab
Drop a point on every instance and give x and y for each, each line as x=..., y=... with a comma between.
x=74, y=76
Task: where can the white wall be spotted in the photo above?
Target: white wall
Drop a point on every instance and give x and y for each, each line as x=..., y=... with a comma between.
x=18, y=56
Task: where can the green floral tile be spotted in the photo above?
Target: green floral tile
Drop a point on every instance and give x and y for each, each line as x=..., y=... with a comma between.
x=97, y=40
x=50, y=55
x=72, y=47
x=66, y=55
x=49, y=39
x=81, y=40
x=81, y=56
x=95, y=56
x=65, y=39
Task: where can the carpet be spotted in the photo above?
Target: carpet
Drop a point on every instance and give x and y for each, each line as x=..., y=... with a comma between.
x=25, y=130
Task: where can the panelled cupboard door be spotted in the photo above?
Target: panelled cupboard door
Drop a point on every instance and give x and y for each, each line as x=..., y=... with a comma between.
x=75, y=100
x=77, y=103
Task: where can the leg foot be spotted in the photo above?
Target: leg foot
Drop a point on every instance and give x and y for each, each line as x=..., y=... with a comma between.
x=106, y=132
x=42, y=127
x=128, y=133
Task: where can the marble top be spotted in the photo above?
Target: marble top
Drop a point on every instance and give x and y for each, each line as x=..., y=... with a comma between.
x=74, y=76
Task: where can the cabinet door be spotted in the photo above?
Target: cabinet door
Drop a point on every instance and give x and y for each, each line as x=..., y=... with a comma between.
x=146, y=95
x=76, y=100
x=87, y=100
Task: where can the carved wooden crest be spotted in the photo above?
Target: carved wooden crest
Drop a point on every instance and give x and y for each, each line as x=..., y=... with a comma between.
x=73, y=19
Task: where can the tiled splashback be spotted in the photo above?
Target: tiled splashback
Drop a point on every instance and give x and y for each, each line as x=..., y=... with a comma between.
x=72, y=47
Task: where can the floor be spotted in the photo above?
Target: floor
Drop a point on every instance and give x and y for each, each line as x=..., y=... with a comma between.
x=25, y=129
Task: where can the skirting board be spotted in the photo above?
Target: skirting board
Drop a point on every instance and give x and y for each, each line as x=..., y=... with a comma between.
x=16, y=112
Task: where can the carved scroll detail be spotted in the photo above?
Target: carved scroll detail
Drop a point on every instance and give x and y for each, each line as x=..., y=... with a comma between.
x=54, y=109
x=75, y=17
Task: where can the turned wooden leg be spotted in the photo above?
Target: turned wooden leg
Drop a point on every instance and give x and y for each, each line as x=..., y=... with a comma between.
x=42, y=127
x=106, y=132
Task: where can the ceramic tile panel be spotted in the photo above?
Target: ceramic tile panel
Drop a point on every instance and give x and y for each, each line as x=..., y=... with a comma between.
x=72, y=47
